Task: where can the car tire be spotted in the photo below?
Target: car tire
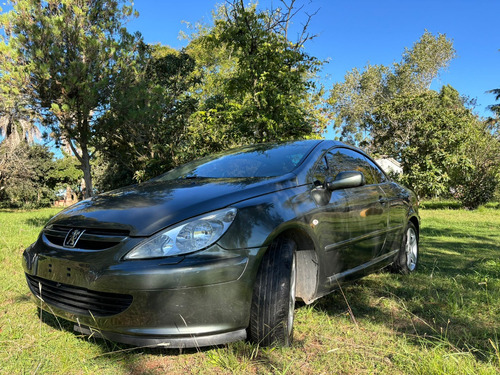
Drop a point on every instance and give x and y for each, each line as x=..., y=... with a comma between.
x=273, y=300
x=407, y=259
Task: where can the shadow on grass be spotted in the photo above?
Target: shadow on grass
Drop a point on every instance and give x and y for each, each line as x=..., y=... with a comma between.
x=449, y=300
x=143, y=360
x=495, y=205
x=135, y=360
x=451, y=205
x=441, y=205
x=109, y=348
x=23, y=298
x=432, y=234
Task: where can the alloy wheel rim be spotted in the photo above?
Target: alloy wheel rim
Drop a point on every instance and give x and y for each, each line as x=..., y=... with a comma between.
x=411, y=249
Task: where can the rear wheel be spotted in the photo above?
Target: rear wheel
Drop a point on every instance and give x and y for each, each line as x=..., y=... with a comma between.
x=407, y=260
x=273, y=300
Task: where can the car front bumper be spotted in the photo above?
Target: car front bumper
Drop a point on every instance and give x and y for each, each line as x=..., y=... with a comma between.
x=197, y=300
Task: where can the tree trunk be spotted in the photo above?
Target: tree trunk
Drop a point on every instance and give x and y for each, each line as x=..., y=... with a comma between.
x=84, y=160
x=87, y=176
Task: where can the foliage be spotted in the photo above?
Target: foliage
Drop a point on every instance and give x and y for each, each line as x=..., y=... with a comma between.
x=355, y=101
x=478, y=189
x=495, y=108
x=24, y=175
x=16, y=124
x=65, y=172
x=475, y=183
x=256, y=84
x=442, y=145
x=143, y=131
x=30, y=177
x=68, y=53
x=17, y=117
x=391, y=111
x=239, y=81
x=494, y=121
x=112, y=173
x=428, y=132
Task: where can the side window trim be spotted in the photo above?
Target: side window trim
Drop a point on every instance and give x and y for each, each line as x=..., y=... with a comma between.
x=321, y=162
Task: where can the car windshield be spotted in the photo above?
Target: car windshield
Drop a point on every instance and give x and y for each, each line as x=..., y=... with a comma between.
x=263, y=160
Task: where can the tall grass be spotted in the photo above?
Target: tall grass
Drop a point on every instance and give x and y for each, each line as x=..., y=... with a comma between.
x=445, y=318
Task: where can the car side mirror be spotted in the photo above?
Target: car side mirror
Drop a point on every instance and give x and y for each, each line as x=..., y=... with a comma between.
x=345, y=180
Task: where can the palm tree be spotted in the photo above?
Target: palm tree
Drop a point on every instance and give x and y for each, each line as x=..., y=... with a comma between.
x=495, y=107
x=16, y=126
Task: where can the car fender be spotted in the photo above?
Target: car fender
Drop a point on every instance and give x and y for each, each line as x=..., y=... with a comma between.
x=262, y=220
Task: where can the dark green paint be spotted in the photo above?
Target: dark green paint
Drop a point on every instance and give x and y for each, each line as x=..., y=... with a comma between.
x=206, y=295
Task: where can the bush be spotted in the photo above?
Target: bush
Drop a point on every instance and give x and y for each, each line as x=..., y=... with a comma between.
x=30, y=177
x=478, y=190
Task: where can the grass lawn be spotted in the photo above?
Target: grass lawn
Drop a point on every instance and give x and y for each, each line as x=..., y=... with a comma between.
x=445, y=318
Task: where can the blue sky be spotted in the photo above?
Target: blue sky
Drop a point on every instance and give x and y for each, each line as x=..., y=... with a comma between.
x=354, y=33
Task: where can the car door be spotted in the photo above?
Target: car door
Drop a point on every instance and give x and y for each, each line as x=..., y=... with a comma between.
x=328, y=221
x=366, y=218
x=397, y=201
x=350, y=224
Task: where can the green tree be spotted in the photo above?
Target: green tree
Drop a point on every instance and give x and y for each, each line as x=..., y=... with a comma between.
x=17, y=118
x=143, y=132
x=443, y=146
x=239, y=81
x=30, y=176
x=428, y=132
x=391, y=110
x=474, y=183
x=256, y=84
x=65, y=172
x=24, y=175
x=355, y=100
x=69, y=51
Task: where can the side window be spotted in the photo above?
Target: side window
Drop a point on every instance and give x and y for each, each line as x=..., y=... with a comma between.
x=327, y=166
x=334, y=162
x=377, y=173
x=342, y=159
x=350, y=160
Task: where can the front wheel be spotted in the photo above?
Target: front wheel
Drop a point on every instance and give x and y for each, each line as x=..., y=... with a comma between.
x=407, y=259
x=273, y=300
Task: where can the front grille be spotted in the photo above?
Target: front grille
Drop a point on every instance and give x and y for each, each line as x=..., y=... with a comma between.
x=78, y=300
x=91, y=239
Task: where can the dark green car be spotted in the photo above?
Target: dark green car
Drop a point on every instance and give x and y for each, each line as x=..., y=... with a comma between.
x=219, y=249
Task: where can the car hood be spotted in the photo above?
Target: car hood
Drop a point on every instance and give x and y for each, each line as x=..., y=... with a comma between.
x=149, y=207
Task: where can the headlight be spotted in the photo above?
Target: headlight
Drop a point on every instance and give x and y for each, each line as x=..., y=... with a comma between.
x=187, y=237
